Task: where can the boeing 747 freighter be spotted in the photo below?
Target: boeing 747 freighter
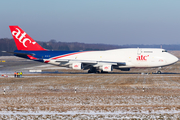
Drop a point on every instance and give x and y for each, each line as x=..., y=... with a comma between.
x=93, y=61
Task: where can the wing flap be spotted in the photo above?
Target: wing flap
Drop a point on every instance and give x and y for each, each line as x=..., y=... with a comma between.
x=91, y=62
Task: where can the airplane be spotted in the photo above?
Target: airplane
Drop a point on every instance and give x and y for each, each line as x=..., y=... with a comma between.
x=93, y=61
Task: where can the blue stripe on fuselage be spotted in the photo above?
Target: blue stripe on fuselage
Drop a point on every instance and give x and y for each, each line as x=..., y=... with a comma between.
x=43, y=54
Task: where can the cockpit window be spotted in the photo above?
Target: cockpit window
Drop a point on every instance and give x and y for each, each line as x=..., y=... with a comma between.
x=164, y=51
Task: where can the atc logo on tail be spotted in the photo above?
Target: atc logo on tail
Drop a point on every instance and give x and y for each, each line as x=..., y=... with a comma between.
x=24, y=41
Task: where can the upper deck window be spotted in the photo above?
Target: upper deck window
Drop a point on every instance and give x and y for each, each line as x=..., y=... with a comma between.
x=148, y=51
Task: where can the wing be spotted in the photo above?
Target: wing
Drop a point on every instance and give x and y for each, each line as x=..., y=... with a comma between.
x=86, y=64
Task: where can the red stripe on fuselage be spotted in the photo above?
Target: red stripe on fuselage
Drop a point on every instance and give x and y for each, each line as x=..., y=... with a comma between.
x=68, y=55
x=31, y=57
x=46, y=61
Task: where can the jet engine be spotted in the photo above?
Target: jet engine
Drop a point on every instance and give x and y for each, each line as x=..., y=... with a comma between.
x=106, y=68
x=77, y=66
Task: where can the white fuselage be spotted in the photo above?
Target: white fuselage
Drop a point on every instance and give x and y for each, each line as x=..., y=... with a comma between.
x=132, y=57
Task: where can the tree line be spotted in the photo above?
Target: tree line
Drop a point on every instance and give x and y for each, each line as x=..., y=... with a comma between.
x=7, y=44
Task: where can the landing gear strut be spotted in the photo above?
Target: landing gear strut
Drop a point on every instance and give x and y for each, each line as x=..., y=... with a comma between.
x=94, y=70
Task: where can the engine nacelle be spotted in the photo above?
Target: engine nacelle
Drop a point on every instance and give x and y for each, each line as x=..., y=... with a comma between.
x=107, y=68
x=77, y=66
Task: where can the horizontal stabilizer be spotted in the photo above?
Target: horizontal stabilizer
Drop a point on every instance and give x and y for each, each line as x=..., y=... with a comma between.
x=17, y=53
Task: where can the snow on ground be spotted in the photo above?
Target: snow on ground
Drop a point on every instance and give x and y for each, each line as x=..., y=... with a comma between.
x=98, y=96
x=88, y=115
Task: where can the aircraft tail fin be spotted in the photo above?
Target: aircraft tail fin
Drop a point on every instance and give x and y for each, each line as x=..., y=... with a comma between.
x=23, y=40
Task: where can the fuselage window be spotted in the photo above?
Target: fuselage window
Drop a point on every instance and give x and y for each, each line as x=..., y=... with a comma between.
x=47, y=56
x=148, y=51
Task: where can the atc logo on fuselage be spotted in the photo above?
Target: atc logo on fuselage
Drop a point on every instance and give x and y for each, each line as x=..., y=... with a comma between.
x=142, y=57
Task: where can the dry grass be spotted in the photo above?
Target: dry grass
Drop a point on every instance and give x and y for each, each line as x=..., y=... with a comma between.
x=100, y=93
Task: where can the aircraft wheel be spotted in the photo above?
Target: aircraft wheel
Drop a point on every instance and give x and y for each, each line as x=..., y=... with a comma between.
x=97, y=71
x=89, y=71
x=103, y=71
x=158, y=72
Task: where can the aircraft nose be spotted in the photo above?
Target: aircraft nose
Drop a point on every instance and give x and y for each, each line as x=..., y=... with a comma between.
x=176, y=59
x=172, y=59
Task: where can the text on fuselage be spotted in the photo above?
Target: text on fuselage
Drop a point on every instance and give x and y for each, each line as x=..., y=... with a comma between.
x=142, y=57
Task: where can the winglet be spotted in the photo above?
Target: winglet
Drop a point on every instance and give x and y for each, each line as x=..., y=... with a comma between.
x=24, y=41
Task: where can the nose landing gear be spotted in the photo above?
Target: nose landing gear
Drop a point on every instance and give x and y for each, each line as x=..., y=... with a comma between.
x=159, y=71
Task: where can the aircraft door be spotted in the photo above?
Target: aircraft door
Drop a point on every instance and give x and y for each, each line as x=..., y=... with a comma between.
x=139, y=51
x=142, y=59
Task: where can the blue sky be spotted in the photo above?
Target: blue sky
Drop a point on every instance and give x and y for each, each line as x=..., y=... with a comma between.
x=94, y=21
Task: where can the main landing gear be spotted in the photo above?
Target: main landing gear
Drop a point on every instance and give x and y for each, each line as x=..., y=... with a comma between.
x=94, y=70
